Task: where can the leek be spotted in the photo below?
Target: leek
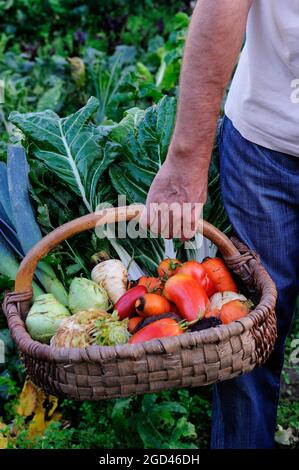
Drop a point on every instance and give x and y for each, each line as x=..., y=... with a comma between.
x=16, y=201
x=9, y=265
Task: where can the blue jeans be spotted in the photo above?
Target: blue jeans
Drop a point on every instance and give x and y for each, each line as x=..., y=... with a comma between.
x=260, y=191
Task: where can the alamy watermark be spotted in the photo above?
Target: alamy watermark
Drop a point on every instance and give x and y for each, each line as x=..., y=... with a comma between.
x=2, y=91
x=174, y=220
x=294, y=355
x=2, y=352
x=295, y=92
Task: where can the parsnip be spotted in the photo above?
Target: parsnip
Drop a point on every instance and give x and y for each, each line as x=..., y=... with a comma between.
x=112, y=275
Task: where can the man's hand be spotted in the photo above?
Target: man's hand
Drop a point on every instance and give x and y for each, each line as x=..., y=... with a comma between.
x=214, y=40
x=175, y=199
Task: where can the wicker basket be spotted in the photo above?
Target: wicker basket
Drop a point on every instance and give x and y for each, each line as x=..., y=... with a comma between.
x=187, y=360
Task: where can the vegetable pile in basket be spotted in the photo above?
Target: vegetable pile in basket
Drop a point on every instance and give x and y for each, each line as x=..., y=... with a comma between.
x=110, y=310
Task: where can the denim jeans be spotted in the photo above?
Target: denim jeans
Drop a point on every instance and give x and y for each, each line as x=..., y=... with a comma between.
x=260, y=191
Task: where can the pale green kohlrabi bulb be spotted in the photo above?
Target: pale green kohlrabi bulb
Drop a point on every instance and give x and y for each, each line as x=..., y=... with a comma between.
x=45, y=317
x=85, y=294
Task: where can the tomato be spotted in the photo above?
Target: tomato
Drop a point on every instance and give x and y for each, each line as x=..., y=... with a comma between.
x=168, y=267
x=153, y=284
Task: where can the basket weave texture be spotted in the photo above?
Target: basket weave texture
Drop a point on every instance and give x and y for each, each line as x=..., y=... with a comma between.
x=188, y=360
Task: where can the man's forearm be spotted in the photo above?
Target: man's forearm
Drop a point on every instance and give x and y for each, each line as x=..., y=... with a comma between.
x=214, y=40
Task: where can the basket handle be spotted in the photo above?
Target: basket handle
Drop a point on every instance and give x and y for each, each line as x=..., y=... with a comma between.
x=28, y=266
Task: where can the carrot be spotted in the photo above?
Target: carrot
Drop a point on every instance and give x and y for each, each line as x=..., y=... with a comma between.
x=152, y=304
x=219, y=274
x=157, y=329
x=133, y=322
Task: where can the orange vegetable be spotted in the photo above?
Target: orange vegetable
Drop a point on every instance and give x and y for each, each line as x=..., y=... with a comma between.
x=133, y=322
x=214, y=313
x=152, y=304
x=157, y=329
x=234, y=310
x=153, y=284
x=188, y=295
x=168, y=267
x=219, y=274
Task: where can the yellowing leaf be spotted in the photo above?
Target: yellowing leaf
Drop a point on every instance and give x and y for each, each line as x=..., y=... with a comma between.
x=34, y=401
x=28, y=399
x=38, y=425
x=78, y=72
x=3, y=442
x=3, y=439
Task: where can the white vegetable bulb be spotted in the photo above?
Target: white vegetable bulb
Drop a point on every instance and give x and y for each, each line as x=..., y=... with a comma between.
x=221, y=298
x=112, y=276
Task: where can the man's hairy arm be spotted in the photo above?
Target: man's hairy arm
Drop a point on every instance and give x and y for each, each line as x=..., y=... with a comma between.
x=213, y=44
x=214, y=41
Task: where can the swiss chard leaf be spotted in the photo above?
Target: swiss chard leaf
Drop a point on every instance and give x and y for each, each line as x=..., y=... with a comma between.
x=69, y=148
x=131, y=180
x=144, y=142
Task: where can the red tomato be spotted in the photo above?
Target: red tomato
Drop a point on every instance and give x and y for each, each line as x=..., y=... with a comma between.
x=153, y=284
x=168, y=267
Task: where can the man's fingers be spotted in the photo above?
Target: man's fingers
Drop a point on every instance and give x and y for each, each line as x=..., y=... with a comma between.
x=191, y=219
x=173, y=220
x=152, y=218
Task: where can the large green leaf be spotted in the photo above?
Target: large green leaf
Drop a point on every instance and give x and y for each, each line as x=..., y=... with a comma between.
x=144, y=141
x=69, y=147
x=131, y=119
x=51, y=99
x=131, y=180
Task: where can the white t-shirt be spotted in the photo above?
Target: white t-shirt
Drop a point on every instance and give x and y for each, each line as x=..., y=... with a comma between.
x=263, y=102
